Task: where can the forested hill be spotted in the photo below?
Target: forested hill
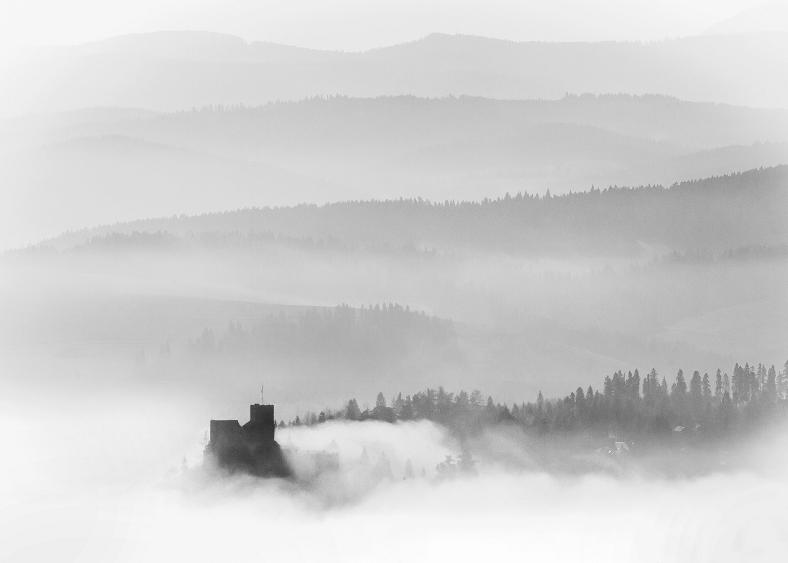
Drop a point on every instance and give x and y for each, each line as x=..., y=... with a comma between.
x=717, y=213
x=694, y=408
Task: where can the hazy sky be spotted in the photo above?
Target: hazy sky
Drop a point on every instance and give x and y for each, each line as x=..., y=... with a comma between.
x=359, y=24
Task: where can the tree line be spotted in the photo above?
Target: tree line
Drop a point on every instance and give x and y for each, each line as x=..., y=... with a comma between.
x=627, y=406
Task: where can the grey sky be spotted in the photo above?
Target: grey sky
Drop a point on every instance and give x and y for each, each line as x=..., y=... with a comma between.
x=360, y=24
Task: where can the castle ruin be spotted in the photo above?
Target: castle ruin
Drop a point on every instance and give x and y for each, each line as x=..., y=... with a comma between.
x=250, y=448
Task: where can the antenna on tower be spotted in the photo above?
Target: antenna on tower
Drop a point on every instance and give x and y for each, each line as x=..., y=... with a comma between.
x=262, y=401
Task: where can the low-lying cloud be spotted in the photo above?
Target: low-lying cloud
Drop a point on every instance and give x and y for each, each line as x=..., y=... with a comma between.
x=113, y=507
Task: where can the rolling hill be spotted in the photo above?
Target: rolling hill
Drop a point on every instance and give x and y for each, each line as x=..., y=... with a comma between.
x=118, y=164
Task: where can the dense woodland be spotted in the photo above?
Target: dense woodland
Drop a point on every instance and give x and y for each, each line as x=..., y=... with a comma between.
x=715, y=214
x=221, y=242
x=367, y=335
x=626, y=406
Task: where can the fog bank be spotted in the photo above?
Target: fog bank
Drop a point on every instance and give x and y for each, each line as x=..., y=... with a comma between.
x=124, y=491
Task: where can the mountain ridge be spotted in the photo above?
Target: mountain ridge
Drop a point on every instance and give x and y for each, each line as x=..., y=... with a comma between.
x=702, y=213
x=170, y=71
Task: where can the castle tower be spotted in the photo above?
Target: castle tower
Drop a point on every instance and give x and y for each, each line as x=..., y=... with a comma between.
x=261, y=422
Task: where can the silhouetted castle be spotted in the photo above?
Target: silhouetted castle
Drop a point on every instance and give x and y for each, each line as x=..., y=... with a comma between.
x=249, y=448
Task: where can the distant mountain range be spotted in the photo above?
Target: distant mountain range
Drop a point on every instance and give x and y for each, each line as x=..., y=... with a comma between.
x=107, y=165
x=176, y=70
x=444, y=117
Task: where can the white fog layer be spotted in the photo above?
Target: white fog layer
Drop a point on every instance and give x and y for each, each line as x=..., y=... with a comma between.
x=142, y=502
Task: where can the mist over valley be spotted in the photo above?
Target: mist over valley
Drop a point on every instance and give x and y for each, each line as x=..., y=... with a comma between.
x=451, y=299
